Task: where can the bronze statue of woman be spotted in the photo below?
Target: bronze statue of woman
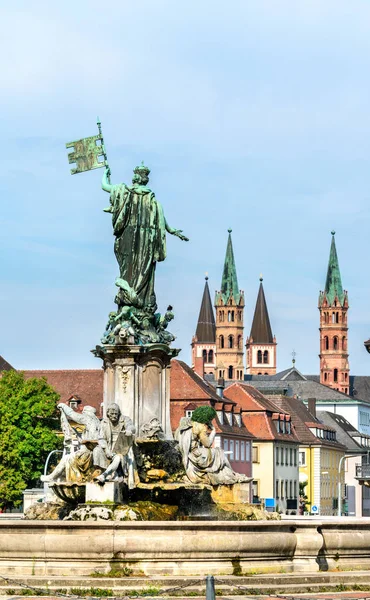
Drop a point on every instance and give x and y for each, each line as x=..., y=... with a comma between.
x=139, y=226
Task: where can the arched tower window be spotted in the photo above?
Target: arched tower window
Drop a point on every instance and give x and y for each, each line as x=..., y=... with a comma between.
x=230, y=342
x=265, y=357
x=221, y=316
x=210, y=356
x=259, y=357
x=325, y=376
x=344, y=343
x=221, y=341
x=335, y=375
x=229, y=316
x=230, y=372
x=326, y=343
x=335, y=343
x=204, y=353
x=239, y=341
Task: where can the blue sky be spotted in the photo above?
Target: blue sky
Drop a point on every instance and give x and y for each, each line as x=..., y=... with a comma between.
x=251, y=114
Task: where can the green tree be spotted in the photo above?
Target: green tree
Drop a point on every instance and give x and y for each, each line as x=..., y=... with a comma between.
x=28, y=424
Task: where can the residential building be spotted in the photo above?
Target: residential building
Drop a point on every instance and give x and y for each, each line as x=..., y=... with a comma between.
x=261, y=344
x=333, y=307
x=229, y=304
x=275, y=448
x=319, y=452
x=356, y=496
x=203, y=344
x=355, y=407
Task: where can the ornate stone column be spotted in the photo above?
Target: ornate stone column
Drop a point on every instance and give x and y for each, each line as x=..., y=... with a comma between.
x=137, y=378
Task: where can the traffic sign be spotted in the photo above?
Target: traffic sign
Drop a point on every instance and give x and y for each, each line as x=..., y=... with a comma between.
x=314, y=509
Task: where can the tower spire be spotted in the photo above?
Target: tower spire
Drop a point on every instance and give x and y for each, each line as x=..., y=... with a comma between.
x=203, y=344
x=206, y=327
x=261, y=332
x=229, y=283
x=333, y=285
x=261, y=344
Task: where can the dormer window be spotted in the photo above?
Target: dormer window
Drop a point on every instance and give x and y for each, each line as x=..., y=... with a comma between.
x=220, y=415
x=238, y=420
x=229, y=418
x=73, y=404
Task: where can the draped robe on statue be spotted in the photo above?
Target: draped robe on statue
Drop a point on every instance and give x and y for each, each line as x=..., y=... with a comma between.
x=140, y=229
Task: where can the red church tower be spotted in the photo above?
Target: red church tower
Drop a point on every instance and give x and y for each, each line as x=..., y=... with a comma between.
x=333, y=307
x=203, y=345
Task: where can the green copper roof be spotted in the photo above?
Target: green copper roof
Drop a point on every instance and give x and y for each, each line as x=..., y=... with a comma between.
x=333, y=285
x=229, y=283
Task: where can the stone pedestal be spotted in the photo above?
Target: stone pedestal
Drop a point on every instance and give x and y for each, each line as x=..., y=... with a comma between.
x=111, y=491
x=137, y=378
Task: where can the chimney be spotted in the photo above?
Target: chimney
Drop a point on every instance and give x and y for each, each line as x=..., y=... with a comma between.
x=312, y=406
x=199, y=365
x=220, y=387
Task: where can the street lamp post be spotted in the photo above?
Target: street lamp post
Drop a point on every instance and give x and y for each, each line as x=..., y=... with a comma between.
x=46, y=487
x=342, y=458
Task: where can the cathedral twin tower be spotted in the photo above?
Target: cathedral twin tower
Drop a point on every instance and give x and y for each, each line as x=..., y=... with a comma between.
x=218, y=345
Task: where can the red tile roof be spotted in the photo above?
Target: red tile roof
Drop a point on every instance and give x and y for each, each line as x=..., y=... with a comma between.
x=85, y=384
x=259, y=413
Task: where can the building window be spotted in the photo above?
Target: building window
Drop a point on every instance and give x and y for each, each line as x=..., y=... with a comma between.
x=335, y=343
x=286, y=457
x=259, y=357
x=281, y=456
x=255, y=491
x=277, y=489
x=231, y=341
x=231, y=448
x=242, y=451
x=237, y=453
x=344, y=343
x=221, y=341
x=277, y=455
x=210, y=356
x=255, y=454
x=302, y=458
x=189, y=413
x=335, y=375
x=265, y=357
x=282, y=490
x=291, y=456
x=295, y=457
x=204, y=354
x=325, y=376
x=73, y=404
x=326, y=343
x=295, y=488
x=290, y=489
x=230, y=372
x=247, y=451
x=239, y=342
x=226, y=444
x=286, y=490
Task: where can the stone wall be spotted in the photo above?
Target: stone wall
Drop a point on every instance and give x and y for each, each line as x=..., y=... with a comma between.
x=182, y=548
